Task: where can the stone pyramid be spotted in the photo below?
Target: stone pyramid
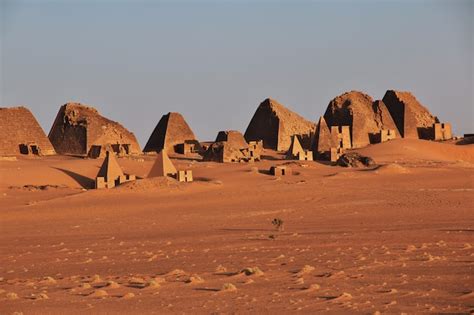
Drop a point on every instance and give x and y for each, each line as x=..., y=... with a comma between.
x=295, y=148
x=171, y=130
x=364, y=117
x=163, y=166
x=275, y=124
x=412, y=119
x=232, y=136
x=18, y=127
x=110, y=169
x=80, y=130
x=322, y=141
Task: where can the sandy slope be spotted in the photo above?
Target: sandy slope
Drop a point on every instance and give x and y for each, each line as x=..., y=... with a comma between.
x=398, y=238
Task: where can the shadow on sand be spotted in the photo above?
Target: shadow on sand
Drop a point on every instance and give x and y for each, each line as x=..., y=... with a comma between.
x=84, y=181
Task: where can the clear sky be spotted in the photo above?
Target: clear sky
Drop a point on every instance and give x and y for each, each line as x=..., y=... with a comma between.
x=215, y=61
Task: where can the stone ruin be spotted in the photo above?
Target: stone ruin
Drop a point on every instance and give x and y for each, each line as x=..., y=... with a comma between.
x=172, y=134
x=280, y=170
x=336, y=153
x=21, y=133
x=341, y=137
x=230, y=146
x=412, y=119
x=442, y=131
x=296, y=151
x=364, y=117
x=81, y=130
x=385, y=135
x=110, y=173
x=275, y=124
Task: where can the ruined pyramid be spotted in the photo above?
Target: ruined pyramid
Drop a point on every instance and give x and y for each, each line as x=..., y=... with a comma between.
x=170, y=131
x=81, y=130
x=228, y=147
x=21, y=133
x=412, y=119
x=275, y=124
x=163, y=166
x=357, y=110
x=232, y=136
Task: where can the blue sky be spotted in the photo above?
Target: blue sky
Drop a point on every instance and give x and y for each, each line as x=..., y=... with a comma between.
x=215, y=61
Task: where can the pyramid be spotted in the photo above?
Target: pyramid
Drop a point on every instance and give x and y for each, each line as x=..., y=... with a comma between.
x=163, y=166
x=81, y=130
x=170, y=131
x=412, y=119
x=295, y=148
x=232, y=136
x=322, y=141
x=358, y=111
x=20, y=129
x=110, y=169
x=230, y=146
x=223, y=152
x=275, y=124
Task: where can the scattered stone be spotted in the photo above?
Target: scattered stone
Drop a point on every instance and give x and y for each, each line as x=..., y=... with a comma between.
x=252, y=271
x=195, y=279
x=12, y=296
x=98, y=294
x=228, y=287
x=128, y=295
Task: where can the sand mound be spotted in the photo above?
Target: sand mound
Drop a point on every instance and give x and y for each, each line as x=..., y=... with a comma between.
x=416, y=150
x=152, y=183
x=392, y=169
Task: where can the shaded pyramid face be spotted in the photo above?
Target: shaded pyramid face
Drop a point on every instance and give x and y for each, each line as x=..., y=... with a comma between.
x=295, y=147
x=323, y=140
x=163, y=166
x=110, y=169
x=413, y=120
x=171, y=130
x=275, y=124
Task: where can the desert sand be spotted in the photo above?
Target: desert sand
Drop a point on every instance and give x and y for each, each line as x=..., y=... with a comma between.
x=393, y=238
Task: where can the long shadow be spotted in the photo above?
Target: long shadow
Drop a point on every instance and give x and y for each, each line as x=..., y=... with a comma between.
x=187, y=158
x=265, y=172
x=82, y=180
x=207, y=289
x=465, y=141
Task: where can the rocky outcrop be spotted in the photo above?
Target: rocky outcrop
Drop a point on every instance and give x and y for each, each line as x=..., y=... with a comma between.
x=275, y=124
x=81, y=130
x=20, y=133
x=412, y=119
x=354, y=159
x=170, y=131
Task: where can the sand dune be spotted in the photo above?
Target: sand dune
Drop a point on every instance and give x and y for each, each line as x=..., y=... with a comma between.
x=396, y=238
